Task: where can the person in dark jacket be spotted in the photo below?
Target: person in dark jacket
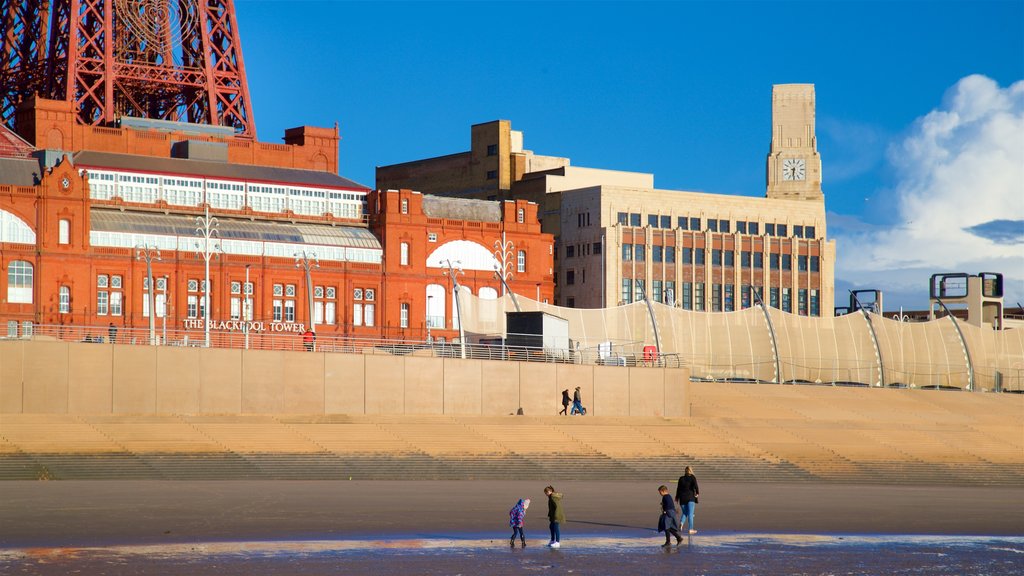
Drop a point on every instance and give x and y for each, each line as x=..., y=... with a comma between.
x=668, y=522
x=555, y=516
x=565, y=402
x=112, y=332
x=687, y=494
x=577, y=402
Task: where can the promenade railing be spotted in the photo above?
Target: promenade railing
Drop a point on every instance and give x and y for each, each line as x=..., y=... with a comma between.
x=617, y=355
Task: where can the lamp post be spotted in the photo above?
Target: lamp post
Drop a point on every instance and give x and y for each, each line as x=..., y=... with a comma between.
x=207, y=247
x=246, y=315
x=147, y=253
x=454, y=269
x=307, y=260
x=429, y=337
x=163, y=313
x=505, y=251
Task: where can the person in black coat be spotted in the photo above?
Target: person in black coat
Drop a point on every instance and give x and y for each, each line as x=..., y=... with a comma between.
x=668, y=522
x=687, y=494
x=565, y=402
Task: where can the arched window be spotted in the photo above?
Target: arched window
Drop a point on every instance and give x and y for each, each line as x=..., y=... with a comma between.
x=436, y=305
x=19, y=282
x=404, y=254
x=14, y=230
x=521, y=261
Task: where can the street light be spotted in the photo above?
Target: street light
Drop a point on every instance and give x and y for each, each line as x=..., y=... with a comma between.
x=506, y=251
x=454, y=269
x=163, y=312
x=246, y=307
x=207, y=247
x=147, y=253
x=430, y=339
x=307, y=260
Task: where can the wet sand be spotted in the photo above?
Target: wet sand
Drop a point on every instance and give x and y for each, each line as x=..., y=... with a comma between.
x=106, y=513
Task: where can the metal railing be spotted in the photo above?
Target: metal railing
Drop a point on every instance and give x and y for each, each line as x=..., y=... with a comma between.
x=293, y=341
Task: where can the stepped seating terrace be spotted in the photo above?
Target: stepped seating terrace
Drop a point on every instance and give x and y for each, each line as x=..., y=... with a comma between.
x=734, y=432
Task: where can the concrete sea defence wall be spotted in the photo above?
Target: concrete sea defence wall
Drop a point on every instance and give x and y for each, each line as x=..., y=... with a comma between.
x=43, y=377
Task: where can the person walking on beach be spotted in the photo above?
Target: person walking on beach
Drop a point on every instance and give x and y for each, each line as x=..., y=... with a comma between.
x=516, y=516
x=668, y=522
x=565, y=402
x=687, y=494
x=577, y=403
x=555, y=516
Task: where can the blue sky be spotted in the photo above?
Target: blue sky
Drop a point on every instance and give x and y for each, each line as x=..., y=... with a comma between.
x=683, y=90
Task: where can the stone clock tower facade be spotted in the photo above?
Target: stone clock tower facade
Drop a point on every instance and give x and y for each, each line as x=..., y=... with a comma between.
x=794, y=165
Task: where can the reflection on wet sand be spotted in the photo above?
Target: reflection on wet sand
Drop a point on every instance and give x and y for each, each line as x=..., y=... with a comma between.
x=710, y=553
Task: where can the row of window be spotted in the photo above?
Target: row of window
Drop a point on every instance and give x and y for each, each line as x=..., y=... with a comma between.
x=726, y=258
x=722, y=296
x=586, y=249
x=233, y=246
x=716, y=225
x=177, y=191
x=110, y=297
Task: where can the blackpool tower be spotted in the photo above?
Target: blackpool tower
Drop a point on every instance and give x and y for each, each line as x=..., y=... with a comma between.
x=177, y=60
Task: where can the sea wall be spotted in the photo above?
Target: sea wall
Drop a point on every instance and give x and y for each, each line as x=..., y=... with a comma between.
x=49, y=377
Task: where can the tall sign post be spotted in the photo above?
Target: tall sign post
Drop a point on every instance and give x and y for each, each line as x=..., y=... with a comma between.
x=207, y=247
x=148, y=253
x=505, y=250
x=454, y=269
x=246, y=306
x=307, y=260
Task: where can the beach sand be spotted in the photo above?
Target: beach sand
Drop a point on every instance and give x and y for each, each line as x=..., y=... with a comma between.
x=105, y=513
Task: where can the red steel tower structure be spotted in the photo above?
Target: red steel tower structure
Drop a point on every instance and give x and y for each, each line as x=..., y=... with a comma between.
x=177, y=60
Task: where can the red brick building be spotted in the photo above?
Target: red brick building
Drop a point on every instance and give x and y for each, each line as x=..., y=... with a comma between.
x=421, y=234
x=77, y=202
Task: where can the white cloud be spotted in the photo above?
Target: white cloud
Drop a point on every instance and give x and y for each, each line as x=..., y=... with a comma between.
x=960, y=169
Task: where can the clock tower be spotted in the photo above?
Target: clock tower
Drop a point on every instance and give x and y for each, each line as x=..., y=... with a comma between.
x=794, y=166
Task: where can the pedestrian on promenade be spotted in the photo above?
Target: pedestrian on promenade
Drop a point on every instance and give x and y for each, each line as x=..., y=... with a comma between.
x=516, y=516
x=687, y=494
x=668, y=522
x=555, y=516
x=565, y=402
x=308, y=338
x=577, y=403
x=112, y=332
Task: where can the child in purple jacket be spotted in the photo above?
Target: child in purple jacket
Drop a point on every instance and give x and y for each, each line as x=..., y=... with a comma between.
x=515, y=519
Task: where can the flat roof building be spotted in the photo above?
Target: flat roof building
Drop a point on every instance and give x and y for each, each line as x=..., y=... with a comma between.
x=619, y=238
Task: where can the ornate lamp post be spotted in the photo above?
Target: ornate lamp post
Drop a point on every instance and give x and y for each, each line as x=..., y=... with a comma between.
x=307, y=260
x=505, y=251
x=149, y=253
x=207, y=247
x=454, y=269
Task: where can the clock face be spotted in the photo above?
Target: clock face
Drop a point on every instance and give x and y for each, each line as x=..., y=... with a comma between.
x=793, y=169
